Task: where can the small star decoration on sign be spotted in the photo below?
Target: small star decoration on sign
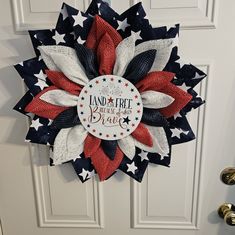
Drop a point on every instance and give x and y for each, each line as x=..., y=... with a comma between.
x=108, y=91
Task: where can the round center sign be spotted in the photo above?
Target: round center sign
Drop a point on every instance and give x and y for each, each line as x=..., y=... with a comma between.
x=110, y=107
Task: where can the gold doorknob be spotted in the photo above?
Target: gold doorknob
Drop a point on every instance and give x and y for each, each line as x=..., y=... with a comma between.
x=227, y=212
x=228, y=176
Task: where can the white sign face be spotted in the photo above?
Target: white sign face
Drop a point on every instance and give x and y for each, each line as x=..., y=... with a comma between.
x=110, y=107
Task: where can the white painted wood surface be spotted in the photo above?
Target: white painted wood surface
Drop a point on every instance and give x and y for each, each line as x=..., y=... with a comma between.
x=38, y=199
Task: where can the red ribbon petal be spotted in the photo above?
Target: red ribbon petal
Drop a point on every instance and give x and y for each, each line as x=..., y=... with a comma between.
x=181, y=97
x=154, y=81
x=98, y=29
x=142, y=134
x=103, y=165
x=160, y=81
x=61, y=81
x=42, y=108
x=106, y=55
x=91, y=145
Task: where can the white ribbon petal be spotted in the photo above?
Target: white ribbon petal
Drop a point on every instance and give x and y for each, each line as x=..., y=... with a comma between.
x=155, y=99
x=60, y=98
x=64, y=59
x=71, y=67
x=76, y=138
x=127, y=145
x=160, y=143
x=125, y=52
x=163, y=47
x=60, y=148
x=46, y=54
x=69, y=144
x=47, y=59
x=77, y=135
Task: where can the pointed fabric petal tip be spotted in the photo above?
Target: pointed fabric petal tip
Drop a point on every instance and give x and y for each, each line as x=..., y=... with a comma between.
x=139, y=66
x=91, y=145
x=64, y=59
x=88, y=59
x=48, y=72
x=142, y=134
x=61, y=81
x=15, y=65
x=103, y=165
x=167, y=75
x=135, y=8
x=64, y=4
x=66, y=119
x=42, y=108
x=155, y=81
x=155, y=99
x=60, y=98
x=160, y=142
x=182, y=98
x=153, y=117
x=127, y=47
x=127, y=146
x=163, y=48
x=51, y=74
x=98, y=29
x=106, y=55
x=109, y=147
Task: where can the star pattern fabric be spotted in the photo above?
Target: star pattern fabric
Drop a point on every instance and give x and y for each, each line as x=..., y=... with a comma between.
x=168, y=94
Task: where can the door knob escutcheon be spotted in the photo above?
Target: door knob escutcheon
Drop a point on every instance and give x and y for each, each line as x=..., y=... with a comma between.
x=227, y=212
x=228, y=176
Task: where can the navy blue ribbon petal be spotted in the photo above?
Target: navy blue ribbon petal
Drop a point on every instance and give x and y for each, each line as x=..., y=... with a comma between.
x=157, y=159
x=109, y=15
x=109, y=147
x=83, y=168
x=181, y=123
x=24, y=101
x=41, y=37
x=193, y=104
x=66, y=119
x=31, y=71
x=138, y=168
x=186, y=75
x=139, y=66
x=43, y=134
x=81, y=29
x=88, y=59
x=93, y=8
x=153, y=117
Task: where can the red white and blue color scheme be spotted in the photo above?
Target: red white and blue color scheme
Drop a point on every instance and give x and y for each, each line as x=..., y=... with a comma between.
x=108, y=91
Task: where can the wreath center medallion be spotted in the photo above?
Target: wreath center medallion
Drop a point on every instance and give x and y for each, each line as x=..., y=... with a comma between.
x=110, y=107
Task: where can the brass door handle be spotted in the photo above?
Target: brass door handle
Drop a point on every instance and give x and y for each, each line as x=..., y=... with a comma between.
x=228, y=176
x=227, y=212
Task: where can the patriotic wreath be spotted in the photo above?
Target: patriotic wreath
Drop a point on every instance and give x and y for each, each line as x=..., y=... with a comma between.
x=108, y=91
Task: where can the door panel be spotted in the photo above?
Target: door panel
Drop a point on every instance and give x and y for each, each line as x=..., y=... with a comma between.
x=62, y=200
x=193, y=14
x=179, y=186
x=182, y=200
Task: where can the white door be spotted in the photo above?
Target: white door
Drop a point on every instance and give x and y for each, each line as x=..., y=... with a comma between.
x=36, y=199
